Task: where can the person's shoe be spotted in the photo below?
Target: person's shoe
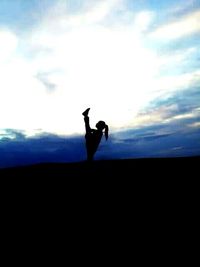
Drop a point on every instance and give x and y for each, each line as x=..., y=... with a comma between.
x=85, y=113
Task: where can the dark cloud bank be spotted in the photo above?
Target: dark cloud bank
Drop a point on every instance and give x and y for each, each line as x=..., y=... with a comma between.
x=136, y=143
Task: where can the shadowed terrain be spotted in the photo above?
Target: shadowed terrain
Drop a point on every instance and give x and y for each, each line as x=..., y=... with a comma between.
x=119, y=169
x=138, y=188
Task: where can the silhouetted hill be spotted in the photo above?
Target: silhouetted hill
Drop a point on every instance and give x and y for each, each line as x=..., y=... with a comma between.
x=118, y=169
x=136, y=187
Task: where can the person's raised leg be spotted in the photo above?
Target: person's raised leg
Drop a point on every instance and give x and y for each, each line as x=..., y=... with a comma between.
x=85, y=113
x=87, y=121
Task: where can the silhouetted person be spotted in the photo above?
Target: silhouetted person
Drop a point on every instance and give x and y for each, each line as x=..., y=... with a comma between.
x=93, y=136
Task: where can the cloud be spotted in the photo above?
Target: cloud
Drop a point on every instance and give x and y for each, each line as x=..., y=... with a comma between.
x=179, y=8
x=143, y=20
x=175, y=82
x=97, y=13
x=85, y=59
x=43, y=78
x=187, y=25
x=11, y=134
x=22, y=150
x=195, y=124
x=94, y=61
x=147, y=141
x=146, y=137
x=87, y=13
x=176, y=57
x=154, y=141
x=8, y=44
x=181, y=106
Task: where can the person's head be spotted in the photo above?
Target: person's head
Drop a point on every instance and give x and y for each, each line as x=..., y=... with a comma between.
x=101, y=125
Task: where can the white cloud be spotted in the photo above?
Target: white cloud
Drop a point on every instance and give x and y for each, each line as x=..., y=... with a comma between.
x=99, y=65
x=90, y=12
x=143, y=20
x=95, y=14
x=188, y=24
x=176, y=8
x=175, y=58
x=8, y=44
x=91, y=65
x=169, y=84
x=163, y=115
x=156, y=116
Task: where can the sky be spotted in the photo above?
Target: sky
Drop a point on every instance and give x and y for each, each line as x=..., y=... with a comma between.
x=134, y=63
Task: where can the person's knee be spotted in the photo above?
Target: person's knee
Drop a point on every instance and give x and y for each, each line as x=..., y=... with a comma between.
x=86, y=119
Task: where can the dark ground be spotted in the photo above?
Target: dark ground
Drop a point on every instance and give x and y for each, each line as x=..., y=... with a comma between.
x=118, y=169
x=146, y=191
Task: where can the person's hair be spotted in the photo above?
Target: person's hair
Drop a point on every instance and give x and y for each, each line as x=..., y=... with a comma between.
x=106, y=131
x=101, y=125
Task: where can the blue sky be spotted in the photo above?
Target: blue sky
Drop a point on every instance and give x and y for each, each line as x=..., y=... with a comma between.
x=135, y=63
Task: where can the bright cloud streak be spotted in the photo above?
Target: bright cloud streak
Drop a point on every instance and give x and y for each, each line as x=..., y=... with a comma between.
x=187, y=25
x=195, y=125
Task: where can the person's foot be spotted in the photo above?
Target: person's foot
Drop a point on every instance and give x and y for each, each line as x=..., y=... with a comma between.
x=85, y=113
